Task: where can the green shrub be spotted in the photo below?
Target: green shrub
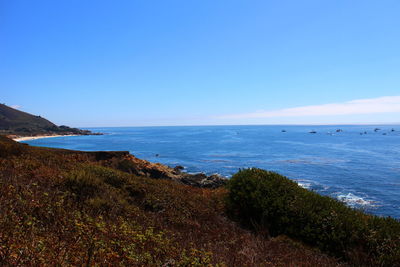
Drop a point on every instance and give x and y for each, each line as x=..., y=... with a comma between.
x=83, y=183
x=271, y=202
x=109, y=176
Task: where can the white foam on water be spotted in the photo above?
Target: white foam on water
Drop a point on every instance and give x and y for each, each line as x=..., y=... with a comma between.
x=349, y=199
x=304, y=183
x=353, y=200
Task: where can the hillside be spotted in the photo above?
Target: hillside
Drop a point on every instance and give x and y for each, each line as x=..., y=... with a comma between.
x=16, y=122
x=70, y=208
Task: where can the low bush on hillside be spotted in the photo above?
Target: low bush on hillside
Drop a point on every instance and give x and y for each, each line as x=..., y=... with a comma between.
x=269, y=202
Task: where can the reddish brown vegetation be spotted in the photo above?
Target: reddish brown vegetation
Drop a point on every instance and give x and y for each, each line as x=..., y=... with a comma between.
x=61, y=207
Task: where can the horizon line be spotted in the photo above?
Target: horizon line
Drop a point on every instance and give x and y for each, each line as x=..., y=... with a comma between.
x=271, y=124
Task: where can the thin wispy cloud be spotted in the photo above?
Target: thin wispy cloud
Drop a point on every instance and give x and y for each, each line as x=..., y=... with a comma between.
x=16, y=106
x=386, y=104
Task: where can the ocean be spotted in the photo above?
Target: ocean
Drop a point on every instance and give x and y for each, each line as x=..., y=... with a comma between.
x=359, y=165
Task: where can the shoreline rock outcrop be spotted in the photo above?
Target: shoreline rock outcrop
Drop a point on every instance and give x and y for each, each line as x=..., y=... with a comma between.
x=127, y=162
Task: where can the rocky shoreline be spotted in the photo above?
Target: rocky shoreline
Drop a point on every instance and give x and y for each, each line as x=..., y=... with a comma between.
x=127, y=162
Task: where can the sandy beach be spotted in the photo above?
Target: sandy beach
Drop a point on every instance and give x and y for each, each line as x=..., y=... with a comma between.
x=26, y=138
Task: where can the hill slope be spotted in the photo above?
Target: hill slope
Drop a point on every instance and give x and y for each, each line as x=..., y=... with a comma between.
x=16, y=122
x=70, y=208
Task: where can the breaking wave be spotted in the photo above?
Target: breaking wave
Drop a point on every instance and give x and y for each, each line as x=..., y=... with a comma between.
x=355, y=201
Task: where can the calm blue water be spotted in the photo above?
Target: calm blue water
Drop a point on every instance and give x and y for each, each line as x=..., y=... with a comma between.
x=361, y=170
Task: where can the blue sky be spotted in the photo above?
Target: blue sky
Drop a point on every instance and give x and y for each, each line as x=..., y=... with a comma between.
x=126, y=63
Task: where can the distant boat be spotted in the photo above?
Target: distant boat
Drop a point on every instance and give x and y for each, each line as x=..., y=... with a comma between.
x=283, y=131
x=376, y=129
x=313, y=132
x=392, y=130
x=339, y=130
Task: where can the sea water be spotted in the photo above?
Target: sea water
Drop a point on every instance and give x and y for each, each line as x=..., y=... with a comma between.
x=359, y=165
